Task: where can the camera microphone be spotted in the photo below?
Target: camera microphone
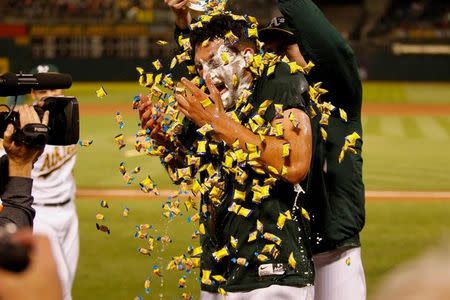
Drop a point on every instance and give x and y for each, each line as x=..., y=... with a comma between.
x=20, y=84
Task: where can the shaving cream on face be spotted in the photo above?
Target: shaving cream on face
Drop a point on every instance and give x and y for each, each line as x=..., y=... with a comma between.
x=223, y=73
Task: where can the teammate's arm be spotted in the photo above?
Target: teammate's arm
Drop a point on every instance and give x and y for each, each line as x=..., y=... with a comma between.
x=229, y=131
x=324, y=45
x=181, y=11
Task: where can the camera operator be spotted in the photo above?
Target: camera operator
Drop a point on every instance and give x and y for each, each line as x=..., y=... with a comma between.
x=15, y=173
x=54, y=194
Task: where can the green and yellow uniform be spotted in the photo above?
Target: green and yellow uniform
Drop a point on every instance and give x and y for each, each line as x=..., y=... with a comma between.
x=336, y=189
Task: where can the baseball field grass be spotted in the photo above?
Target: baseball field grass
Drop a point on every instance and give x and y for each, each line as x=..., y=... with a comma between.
x=401, y=153
x=111, y=268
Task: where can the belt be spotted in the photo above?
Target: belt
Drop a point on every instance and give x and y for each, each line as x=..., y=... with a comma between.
x=53, y=204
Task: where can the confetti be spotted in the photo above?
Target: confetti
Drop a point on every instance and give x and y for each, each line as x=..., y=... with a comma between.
x=147, y=185
x=147, y=286
x=206, y=274
x=182, y=282
x=292, y=262
x=162, y=43
x=101, y=92
x=85, y=143
x=349, y=145
x=272, y=237
x=125, y=212
x=119, y=120
x=240, y=261
x=157, y=271
x=103, y=228
x=219, y=254
x=104, y=204
x=157, y=64
x=120, y=141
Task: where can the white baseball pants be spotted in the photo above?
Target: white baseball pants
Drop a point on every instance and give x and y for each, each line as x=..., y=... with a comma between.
x=339, y=275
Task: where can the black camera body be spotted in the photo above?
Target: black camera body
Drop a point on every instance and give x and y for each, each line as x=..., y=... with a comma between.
x=63, y=126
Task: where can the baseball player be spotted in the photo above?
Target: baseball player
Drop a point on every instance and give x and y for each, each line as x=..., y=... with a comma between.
x=54, y=195
x=337, y=190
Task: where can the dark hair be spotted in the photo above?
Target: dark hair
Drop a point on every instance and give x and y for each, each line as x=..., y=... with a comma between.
x=218, y=27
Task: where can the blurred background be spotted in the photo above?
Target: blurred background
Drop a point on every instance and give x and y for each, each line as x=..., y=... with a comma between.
x=403, y=51
x=394, y=40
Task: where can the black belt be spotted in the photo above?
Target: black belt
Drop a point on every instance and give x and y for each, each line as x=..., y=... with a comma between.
x=53, y=204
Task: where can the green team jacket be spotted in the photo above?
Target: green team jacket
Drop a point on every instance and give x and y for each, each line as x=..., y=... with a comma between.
x=336, y=197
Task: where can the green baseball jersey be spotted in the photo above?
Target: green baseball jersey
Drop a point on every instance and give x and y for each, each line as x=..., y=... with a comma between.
x=261, y=243
x=336, y=189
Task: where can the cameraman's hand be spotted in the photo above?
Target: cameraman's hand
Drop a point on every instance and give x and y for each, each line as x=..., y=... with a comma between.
x=20, y=157
x=40, y=280
x=181, y=10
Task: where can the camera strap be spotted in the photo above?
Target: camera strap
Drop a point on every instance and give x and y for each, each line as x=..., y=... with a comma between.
x=32, y=135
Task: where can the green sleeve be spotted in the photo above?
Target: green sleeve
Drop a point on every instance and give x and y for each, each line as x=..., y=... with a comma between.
x=281, y=87
x=321, y=43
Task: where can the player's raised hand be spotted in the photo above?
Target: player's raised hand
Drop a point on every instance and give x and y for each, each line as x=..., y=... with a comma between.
x=40, y=280
x=181, y=10
x=151, y=121
x=198, y=106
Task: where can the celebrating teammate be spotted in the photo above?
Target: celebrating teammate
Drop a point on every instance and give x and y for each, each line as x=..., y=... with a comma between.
x=255, y=148
x=337, y=189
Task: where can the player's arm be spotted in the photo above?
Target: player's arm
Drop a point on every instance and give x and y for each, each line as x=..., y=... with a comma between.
x=226, y=129
x=322, y=43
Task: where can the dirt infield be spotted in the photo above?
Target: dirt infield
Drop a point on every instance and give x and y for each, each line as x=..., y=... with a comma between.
x=406, y=109
x=399, y=196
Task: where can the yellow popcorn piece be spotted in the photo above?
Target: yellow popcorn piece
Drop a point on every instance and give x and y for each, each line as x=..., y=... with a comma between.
x=263, y=107
x=206, y=102
x=294, y=67
x=278, y=111
x=225, y=57
x=233, y=242
x=214, y=148
x=271, y=249
x=349, y=145
x=259, y=226
x=281, y=221
x=173, y=63
x=309, y=66
x=252, y=236
x=205, y=43
x=324, y=134
x=201, y=228
x=206, y=274
x=239, y=195
x=294, y=121
x=235, y=80
x=291, y=260
x=162, y=43
x=146, y=79
x=279, y=131
x=201, y=147
x=205, y=129
x=305, y=214
x=101, y=92
x=195, y=251
x=219, y=278
x=343, y=114
x=271, y=70
x=158, y=78
x=231, y=38
x=192, y=69
x=272, y=238
x=219, y=254
x=286, y=149
x=157, y=64
x=262, y=258
x=221, y=291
